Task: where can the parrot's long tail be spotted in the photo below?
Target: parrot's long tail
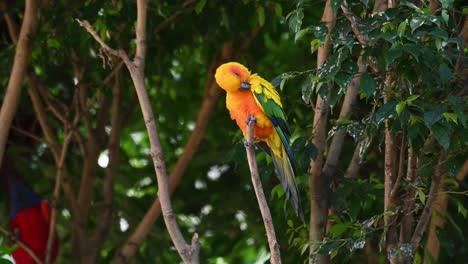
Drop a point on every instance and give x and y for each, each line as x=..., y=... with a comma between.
x=285, y=174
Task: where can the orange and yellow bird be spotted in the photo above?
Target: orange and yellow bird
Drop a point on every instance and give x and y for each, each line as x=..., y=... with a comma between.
x=251, y=95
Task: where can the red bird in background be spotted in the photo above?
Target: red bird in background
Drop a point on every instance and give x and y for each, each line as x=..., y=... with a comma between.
x=29, y=221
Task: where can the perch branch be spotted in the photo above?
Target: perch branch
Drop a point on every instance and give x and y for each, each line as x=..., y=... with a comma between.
x=13, y=237
x=266, y=215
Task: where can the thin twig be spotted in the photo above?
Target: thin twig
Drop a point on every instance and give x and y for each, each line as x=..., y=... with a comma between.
x=13, y=237
x=257, y=183
x=58, y=180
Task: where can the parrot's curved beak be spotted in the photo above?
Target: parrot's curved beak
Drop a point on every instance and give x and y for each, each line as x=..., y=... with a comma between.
x=245, y=86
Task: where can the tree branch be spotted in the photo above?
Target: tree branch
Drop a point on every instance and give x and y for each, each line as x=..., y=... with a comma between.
x=105, y=216
x=355, y=20
x=401, y=166
x=437, y=180
x=334, y=152
x=257, y=183
x=13, y=237
x=355, y=163
x=318, y=186
x=188, y=253
x=409, y=198
x=53, y=213
x=18, y=71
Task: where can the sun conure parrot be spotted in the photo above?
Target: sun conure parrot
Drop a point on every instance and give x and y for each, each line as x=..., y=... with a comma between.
x=251, y=95
x=29, y=221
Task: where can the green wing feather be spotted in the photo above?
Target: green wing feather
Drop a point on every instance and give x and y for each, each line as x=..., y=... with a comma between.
x=268, y=98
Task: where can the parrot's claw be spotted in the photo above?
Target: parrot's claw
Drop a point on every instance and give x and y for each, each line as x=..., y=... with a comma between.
x=250, y=119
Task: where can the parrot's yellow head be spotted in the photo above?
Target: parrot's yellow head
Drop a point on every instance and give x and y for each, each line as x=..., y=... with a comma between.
x=232, y=77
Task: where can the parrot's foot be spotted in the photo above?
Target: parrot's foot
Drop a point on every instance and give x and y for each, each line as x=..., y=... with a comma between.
x=250, y=119
x=246, y=143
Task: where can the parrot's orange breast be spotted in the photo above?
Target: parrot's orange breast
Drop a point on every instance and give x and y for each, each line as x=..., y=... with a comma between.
x=241, y=105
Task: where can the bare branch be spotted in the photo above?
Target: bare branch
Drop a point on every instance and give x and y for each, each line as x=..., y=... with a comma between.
x=95, y=35
x=18, y=71
x=188, y=253
x=105, y=216
x=257, y=183
x=13, y=237
x=172, y=17
x=58, y=180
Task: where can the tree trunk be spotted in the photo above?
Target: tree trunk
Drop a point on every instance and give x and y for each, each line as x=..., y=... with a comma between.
x=18, y=72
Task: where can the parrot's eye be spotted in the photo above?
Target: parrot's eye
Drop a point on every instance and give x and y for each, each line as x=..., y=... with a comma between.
x=236, y=74
x=245, y=86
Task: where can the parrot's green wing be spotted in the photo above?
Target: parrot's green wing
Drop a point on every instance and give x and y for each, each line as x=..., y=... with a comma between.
x=268, y=98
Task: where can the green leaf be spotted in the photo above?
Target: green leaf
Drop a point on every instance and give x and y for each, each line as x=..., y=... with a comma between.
x=450, y=117
x=278, y=10
x=421, y=195
x=5, y=261
x=367, y=85
x=402, y=28
x=320, y=31
x=416, y=22
x=199, y=7
x=343, y=79
x=442, y=135
x=458, y=108
x=445, y=73
x=412, y=98
x=431, y=118
x=335, y=5
x=328, y=247
x=295, y=20
x=445, y=16
x=261, y=15
x=400, y=107
x=447, y=3
x=315, y=45
x=53, y=43
x=386, y=111
x=461, y=208
x=338, y=229
x=392, y=55
x=301, y=33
